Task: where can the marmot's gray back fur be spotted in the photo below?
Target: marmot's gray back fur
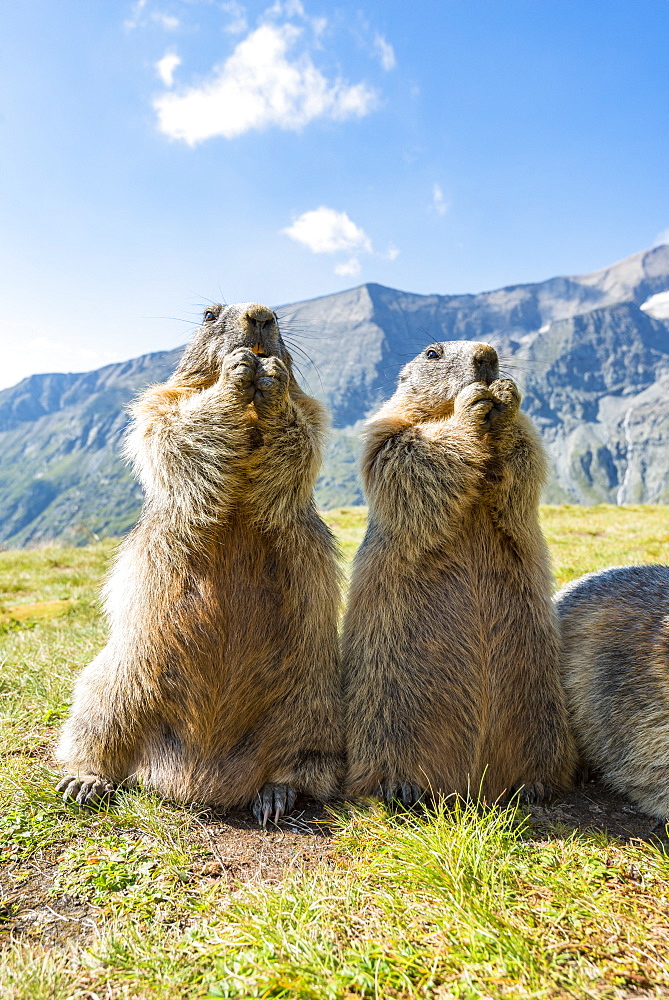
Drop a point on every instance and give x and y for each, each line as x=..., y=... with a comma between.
x=220, y=682
x=615, y=639
x=450, y=645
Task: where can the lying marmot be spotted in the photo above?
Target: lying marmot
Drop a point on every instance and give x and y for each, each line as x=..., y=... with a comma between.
x=615, y=641
x=450, y=650
x=220, y=683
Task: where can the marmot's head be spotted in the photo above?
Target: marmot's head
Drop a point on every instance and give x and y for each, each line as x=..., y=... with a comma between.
x=224, y=329
x=434, y=378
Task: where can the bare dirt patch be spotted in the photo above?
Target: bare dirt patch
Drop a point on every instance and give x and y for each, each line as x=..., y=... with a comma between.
x=231, y=848
x=242, y=852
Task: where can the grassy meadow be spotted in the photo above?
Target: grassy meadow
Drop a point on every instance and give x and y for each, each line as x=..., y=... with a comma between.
x=147, y=900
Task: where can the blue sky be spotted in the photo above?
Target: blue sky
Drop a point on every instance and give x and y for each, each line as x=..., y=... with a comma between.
x=162, y=153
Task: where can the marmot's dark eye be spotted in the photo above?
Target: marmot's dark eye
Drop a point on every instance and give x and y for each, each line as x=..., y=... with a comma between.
x=431, y=354
x=209, y=315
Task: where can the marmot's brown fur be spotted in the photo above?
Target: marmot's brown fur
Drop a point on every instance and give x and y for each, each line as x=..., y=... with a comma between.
x=615, y=661
x=450, y=649
x=220, y=683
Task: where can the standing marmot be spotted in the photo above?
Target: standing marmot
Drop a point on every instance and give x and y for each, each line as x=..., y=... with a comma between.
x=450, y=647
x=220, y=683
x=615, y=653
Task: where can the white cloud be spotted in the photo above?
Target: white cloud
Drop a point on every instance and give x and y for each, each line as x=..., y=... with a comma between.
x=286, y=8
x=349, y=268
x=166, y=21
x=318, y=25
x=661, y=238
x=385, y=52
x=439, y=203
x=259, y=86
x=166, y=66
x=324, y=230
x=237, y=14
x=135, y=15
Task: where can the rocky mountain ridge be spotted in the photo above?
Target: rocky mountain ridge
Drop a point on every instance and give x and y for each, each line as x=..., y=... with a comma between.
x=591, y=354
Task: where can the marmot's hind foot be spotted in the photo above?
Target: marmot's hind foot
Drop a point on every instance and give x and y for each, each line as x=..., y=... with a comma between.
x=529, y=795
x=273, y=800
x=404, y=792
x=88, y=791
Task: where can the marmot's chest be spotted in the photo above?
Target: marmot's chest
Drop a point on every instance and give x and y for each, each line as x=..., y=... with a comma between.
x=479, y=570
x=248, y=577
x=481, y=548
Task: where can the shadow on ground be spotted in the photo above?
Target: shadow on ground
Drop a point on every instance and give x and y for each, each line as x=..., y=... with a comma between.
x=592, y=808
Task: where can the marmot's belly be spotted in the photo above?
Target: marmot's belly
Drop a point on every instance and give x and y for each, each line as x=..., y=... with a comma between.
x=464, y=618
x=234, y=675
x=472, y=651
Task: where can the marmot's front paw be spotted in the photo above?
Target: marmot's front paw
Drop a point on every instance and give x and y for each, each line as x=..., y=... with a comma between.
x=401, y=791
x=88, y=790
x=271, y=384
x=238, y=372
x=273, y=800
x=473, y=405
x=507, y=402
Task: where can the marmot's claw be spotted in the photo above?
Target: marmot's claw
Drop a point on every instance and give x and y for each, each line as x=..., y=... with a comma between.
x=401, y=791
x=88, y=792
x=534, y=793
x=240, y=359
x=275, y=368
x=273, y=800
x=410, y=794
x=474, y=401
x=506, y=390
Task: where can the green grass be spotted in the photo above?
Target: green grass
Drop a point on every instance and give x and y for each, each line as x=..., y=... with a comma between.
x=348, y=524
x=584, y=539
x=465, y=904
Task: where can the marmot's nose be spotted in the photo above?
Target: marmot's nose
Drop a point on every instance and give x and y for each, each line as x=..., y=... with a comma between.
x=260, y=325
x=258, y=317
x=487, y=363
x=485, y=355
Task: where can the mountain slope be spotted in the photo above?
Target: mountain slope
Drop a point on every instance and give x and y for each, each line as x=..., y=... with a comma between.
x=595, y=385
x=591, y=353
x=60, y=440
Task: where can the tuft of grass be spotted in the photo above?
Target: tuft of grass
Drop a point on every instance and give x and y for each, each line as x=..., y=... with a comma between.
x=461, y=903
x=33, y=973
x=52, y=574
x=122, y=873
x=36, y=823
